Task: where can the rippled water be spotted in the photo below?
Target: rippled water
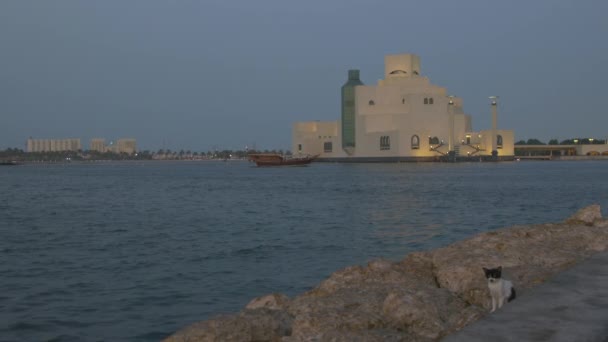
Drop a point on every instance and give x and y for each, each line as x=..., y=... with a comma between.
x=134, y=251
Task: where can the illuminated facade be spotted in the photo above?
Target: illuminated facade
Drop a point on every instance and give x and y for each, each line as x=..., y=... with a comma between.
x=128, y=146
x=53, y=145
x=402, y=118
x=98, y=145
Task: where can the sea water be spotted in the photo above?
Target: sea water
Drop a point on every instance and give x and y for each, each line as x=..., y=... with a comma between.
x=133, y=251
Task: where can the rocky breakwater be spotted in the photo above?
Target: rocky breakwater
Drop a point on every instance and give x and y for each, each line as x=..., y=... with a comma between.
x=424, y=297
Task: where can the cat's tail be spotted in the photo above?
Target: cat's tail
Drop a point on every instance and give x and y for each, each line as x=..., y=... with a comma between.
x=512, y=296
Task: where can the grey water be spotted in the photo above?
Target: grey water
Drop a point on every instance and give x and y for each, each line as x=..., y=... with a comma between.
x=133, y=251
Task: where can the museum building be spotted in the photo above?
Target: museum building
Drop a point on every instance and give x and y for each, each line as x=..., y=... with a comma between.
x=402, y=118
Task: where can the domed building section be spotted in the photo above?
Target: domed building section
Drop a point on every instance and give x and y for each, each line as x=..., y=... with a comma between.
x=403, y=118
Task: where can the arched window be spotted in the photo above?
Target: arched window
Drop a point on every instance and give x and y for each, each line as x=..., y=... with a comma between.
x=426, y=100
x=398, y=72
x=371, y=102
x=433, y=141
x=327, y=147
x=299, y=147
x=385, y=142
x=415, y=142
x=431, y=100
x=402, y=101
x=499, y=141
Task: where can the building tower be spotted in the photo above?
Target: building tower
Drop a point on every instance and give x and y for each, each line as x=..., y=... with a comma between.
x=348, y=111
x=494, y=119
x=399, y=66
x=451, y=152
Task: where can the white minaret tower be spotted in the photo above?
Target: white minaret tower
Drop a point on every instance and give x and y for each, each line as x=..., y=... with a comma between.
x=450, y=124
x=494, y=104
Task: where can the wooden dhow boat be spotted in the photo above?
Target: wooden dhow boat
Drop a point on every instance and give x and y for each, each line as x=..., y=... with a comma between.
x=273, y=159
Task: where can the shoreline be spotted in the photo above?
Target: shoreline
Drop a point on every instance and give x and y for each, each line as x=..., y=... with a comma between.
x=78, y=162
x=426, y=296
x=320, y=161
x=362, y=160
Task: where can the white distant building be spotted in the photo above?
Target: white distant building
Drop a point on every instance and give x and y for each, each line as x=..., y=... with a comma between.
x=125, y=145
x=53, y=145
x=98, y=145
x=402, y=118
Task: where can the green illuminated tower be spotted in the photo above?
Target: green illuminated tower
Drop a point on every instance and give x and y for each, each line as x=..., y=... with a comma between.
x=348, y=110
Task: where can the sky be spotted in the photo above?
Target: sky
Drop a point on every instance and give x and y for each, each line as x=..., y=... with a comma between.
x=222, y=74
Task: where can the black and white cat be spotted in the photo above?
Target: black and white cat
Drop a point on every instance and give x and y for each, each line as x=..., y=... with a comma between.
x=500, y=289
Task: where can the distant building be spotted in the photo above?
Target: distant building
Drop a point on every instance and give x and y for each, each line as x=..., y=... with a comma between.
x=128, y=146
x=402, y=118
x=98, y=145
x=53, y=145
x=592, y=150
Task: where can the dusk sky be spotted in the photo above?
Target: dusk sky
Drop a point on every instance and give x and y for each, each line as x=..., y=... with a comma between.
x=225, y=74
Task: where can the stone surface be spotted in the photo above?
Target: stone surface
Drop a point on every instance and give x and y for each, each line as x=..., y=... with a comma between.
x=572, y=306
x=249, y=325
x=588, y=215
x=424, y=297
x=274, y=301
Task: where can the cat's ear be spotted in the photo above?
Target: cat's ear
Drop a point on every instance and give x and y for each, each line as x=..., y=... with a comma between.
x=485, y=270
x=499, y=268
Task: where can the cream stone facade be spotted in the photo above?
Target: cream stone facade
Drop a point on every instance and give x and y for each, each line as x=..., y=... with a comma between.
x=98, y=145
x=403, y=118
x=128, y=146
x=53, y=145
x=592, y=150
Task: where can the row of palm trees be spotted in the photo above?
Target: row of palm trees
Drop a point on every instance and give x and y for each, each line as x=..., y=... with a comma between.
x=215, y=154
x=573, y=141
x=14, y=154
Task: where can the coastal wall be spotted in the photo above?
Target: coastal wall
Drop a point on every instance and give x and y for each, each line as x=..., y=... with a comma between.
x=580, y=158
x=424, y=297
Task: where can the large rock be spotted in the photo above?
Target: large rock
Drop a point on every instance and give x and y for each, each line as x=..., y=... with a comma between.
x=424, y=297
x=529, y=255
x=588, y=215
x=376, y=335
x=249, y=325
x=429, y=313
x=274, y=301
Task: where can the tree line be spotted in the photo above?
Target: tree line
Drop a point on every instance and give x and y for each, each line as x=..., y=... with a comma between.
x=15, y=154
x=573, y=141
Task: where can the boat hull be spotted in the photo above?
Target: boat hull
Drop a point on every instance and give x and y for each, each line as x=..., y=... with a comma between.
x=278, y=160
x=8, y=163
x=299, y=162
